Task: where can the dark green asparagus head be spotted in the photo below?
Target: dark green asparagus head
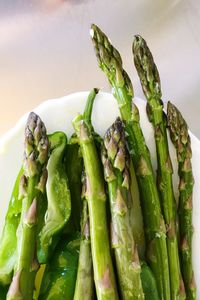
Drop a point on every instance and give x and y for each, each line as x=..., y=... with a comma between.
x=109, y=59
x=178, y=132
x=110, y=62
x=146, y=69
x=36, y=146
x=115, y=154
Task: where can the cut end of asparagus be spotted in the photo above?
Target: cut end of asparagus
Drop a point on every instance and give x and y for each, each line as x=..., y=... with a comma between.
x=36, y=145
x=146, y=69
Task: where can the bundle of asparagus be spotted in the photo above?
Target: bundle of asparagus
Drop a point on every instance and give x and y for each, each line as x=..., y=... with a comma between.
x=70, y=227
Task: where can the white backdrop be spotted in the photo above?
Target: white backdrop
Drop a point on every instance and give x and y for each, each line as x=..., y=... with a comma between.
x=46, y=52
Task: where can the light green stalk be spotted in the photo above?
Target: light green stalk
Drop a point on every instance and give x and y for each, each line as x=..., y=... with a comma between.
x=116, y=172
x=150, y=82
x=95, y=194
x=84, y=282
x=35, y=175
x=110, y=62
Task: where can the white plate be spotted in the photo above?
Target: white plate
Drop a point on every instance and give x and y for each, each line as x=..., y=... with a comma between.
x=57, y=114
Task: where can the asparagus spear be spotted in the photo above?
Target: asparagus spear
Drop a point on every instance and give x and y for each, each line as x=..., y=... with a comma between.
x=95, y=194
x=135, y=213
x=59, y=278
x=110, y=62
x=9, y=238
x=181, y=140
x=150, y=82
x=34, y=165
x=58, y=195
x=84, y=282
x=74, y=167
x=116, y=172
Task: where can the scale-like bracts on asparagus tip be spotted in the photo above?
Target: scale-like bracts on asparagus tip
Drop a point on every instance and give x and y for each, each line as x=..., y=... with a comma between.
x=150, y=81
x=181, y=140
x=96, y=197
x=116, y=164
x=36, y=149
x=110, y=62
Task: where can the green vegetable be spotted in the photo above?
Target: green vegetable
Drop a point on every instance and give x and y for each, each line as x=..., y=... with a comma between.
x=34, y=181
x=74, y=167
x=58, y=195
x=95, y=194
x=116, y=172
x=149, y=283
x=181, y=140
x=8, y=242
x=84, y=281
x=60, y=274
x=135, y=213
x=150, y=82
x=110, y=62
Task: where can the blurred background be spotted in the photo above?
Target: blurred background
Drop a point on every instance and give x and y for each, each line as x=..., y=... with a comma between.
x=46, y=51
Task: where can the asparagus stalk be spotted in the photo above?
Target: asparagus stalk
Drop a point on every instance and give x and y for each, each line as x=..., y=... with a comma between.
x=89, y=106
x=58, y=195
x=181, y=140
x=150, y=82
x=135, y=213
x=110, y=62
x=35, y=159
x=95, y=194
x=84, y=282
x=74, y=167
x=116, y=172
